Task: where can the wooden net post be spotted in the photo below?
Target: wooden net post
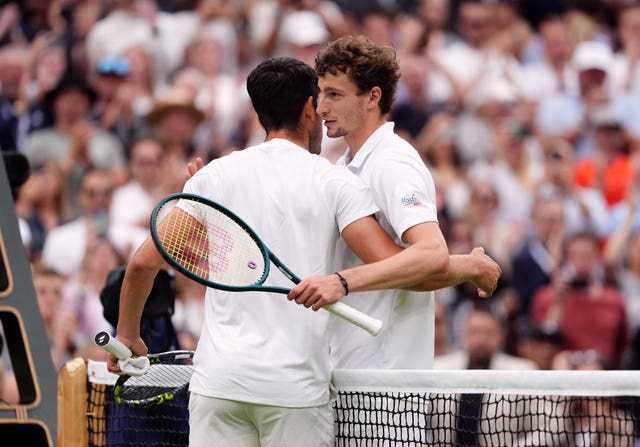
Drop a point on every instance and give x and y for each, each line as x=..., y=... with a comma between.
x=72, y=404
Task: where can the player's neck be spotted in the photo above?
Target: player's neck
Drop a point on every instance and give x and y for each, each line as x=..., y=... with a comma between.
x=294, y=137
x=357, y=138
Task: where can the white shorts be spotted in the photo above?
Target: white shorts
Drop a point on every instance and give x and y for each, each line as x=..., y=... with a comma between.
x=232, y=423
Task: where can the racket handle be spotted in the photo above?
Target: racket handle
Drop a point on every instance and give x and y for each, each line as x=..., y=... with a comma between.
x=113, y=346
x=362, y=320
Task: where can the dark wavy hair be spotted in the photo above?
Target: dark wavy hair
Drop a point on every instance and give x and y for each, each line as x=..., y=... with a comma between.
x=368, y=65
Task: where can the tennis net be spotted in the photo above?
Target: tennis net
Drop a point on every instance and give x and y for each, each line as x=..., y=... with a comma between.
x=394, y=408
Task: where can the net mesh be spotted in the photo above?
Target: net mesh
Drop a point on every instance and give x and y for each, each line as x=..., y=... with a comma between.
x=435, y=408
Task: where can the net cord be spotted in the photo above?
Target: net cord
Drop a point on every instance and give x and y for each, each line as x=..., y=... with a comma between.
x=551, y=383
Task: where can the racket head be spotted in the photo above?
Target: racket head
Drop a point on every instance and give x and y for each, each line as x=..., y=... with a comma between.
x=168, y=376
x=208, y=243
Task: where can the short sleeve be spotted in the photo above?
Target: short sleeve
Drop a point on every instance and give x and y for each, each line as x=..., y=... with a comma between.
x=405, y=192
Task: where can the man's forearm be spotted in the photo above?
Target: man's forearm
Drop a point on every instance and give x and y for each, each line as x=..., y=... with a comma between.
x=462, y=268
x=136, y=287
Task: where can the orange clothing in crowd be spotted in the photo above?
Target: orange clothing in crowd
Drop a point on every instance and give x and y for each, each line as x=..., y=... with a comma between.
x=615, y=180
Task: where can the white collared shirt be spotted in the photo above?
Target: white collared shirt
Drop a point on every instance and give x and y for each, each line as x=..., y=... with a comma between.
x=255, y=346
x=404, y=190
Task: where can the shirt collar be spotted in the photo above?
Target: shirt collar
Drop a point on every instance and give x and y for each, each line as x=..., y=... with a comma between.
x=367, y=148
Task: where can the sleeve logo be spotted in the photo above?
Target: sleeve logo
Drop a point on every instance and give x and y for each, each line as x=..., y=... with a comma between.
x=410, y=200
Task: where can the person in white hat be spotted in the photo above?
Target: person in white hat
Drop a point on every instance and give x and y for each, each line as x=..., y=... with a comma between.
x=568, y=115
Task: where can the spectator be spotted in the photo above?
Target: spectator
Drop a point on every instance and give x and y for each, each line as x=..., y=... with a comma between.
x=412, y=109
x=589, y=313
x=553, y=74
x=436, y=144
x=113, y=108
x=498, y=236
x=539, y=344
x=515, y=168
x=66, y=246
x=629, y=209
x=622, y=258
x=48, y=63
x=540, y=251
x=482, y=349
x=142, y=83
x=129, y=225
x=73, y=142
x=12, y=70
x=476, y=60
x=514, y=33
x=482, y=344
x=323, y=18
x=40, y=203
x=121, y=29
x=435, y=16
x=49, y=285
x=625, y=73
x=585, y=208
x=609, y=167
x=218, y=94
x=565, y=417
x=569, y=115
x=303, y=33
x=377, y=23
x=173, y=119
x=496, y=106
x=81, y=312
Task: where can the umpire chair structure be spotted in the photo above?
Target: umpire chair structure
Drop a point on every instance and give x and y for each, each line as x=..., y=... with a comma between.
x=33, y=420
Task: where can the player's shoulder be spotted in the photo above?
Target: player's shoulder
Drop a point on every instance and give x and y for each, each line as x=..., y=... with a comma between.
x=393, y=148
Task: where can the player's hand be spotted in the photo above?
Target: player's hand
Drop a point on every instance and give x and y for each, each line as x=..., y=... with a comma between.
x=193, y=168
x=488, y=272
x=317, y=291
x=137, y=346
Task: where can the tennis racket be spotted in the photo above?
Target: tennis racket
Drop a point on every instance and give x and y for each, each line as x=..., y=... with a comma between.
x=211, y=245
x=167, y=375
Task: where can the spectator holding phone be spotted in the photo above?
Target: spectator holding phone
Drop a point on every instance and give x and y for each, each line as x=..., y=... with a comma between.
x=589, y=313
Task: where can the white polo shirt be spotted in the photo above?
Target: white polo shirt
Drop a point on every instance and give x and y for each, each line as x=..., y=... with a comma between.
x=256, y=346
x=404, y=190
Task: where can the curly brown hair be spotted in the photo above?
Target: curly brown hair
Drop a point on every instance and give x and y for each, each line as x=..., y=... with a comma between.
x=367, y=64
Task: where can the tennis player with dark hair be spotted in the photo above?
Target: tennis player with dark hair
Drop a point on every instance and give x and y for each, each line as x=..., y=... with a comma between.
x=262, y=368
x=358, y=81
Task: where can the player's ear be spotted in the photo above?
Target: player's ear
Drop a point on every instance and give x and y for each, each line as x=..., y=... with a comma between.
x=309, y=108
x=375, y=95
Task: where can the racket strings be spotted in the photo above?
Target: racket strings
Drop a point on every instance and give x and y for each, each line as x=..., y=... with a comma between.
x=187, y=242
x=208, y=243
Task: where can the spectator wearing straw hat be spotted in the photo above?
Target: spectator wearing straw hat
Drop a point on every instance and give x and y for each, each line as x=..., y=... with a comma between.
x=173, y=121
x=174, y=117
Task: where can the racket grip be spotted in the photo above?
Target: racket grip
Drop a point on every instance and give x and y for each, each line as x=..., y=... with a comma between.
x=354, y=316
x=112, y=345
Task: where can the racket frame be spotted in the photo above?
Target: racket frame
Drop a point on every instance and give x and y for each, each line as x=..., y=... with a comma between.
x=266, y=253
x=341, y=310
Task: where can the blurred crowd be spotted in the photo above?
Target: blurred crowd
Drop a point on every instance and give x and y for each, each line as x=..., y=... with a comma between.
x=525, y=111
